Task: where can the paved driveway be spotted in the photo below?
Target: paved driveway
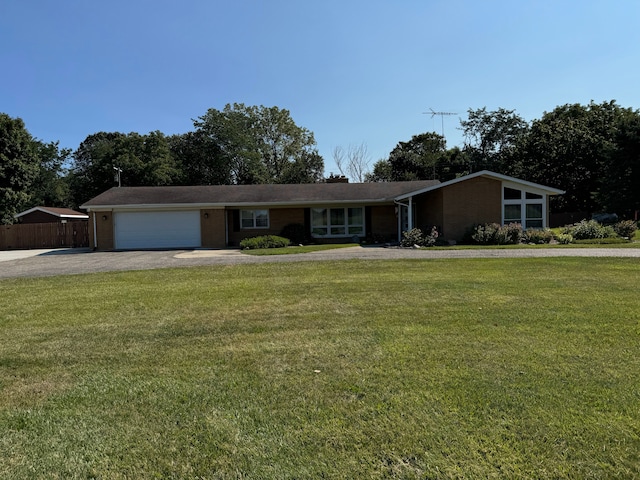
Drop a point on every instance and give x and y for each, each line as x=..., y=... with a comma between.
x=42, y=263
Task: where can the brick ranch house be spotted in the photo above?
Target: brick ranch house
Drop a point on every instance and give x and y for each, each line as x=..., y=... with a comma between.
x=218, y=216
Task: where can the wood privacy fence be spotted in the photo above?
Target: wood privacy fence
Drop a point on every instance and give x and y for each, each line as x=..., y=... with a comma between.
x=44, y=235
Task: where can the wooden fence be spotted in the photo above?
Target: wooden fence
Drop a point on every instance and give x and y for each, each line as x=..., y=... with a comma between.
x=44, y=235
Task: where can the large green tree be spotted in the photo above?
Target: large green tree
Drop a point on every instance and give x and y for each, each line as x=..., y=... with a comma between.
x=51, y=187
x=619, y=189
x=199, y=159
x=142, y=159
x=19, y=166
x=262, y=145
x=423, y=157
x=571, y=148
x=492, y=138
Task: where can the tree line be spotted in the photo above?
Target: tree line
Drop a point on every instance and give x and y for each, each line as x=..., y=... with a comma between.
x=591, y=151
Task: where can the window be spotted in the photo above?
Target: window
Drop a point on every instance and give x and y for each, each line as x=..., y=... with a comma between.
x=526, y=208
x=254, y=218
x=337, y=222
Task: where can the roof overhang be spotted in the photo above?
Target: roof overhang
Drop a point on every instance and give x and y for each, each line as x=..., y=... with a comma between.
x=486, y=173
x=199, y=206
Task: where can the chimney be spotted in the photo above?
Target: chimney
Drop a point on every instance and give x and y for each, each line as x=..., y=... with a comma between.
x=336, y=179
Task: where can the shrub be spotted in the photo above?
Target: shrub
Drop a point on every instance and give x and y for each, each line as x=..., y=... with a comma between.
x=564, y=238
x=484, y=234
x=265, y=241
x=431, y=239
x=296, y=233
x=587, y=229
x=538, y=236
x=416, y=237
x=495, y=234
x=626, y=228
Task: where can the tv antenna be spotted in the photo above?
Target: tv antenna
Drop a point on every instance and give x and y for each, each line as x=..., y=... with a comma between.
x=433, y=113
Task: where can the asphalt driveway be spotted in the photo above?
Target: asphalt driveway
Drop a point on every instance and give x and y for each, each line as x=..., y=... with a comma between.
x=42, y=263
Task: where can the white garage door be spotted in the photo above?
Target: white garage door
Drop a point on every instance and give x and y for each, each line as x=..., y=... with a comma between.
x=157, y=229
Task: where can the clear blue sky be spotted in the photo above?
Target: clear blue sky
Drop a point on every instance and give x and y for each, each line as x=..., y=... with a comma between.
x=351, y=71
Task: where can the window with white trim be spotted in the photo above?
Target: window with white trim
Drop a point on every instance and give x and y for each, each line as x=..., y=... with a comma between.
x=337, y=222
x=520, y=206
x=254, y=218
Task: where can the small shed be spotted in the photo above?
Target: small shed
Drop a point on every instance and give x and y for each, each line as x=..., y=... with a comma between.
x=50, y=215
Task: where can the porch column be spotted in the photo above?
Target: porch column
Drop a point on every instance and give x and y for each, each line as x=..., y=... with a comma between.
x=410, y=215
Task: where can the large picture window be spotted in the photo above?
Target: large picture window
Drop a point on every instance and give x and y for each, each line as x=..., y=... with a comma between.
x=254, y=218
x=526, y=208
x=337, y=222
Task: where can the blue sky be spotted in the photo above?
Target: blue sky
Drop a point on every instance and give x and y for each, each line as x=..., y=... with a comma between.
x=351, y=71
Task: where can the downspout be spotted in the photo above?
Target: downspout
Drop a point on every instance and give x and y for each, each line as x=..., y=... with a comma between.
x=95, y=236
x=226, y=227
x=410, y=214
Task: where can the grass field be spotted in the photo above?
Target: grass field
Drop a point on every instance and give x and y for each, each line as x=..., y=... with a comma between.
x=486, y=368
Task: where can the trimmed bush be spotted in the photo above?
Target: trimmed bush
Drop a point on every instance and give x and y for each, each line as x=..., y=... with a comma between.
x=484, y=234
x=265, y=241
x=538, y=236
x=416, y=237
x=495, y=234
x=625, y=228
x=564, y=238
x=586, y=230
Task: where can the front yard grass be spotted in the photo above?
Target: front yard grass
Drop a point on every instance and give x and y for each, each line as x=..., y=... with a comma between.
x=501, y=368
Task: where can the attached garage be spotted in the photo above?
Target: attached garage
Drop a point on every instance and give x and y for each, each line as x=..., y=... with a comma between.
x=157, y=229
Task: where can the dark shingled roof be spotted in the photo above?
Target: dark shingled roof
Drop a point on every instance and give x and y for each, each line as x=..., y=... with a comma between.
x=58, y=212
x=230, y=195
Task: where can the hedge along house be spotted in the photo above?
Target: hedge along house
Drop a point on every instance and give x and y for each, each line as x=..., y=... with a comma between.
x=218, y=216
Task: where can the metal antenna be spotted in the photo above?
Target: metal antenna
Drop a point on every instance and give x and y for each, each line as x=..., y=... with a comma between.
x=442, y=114
x=118, y=172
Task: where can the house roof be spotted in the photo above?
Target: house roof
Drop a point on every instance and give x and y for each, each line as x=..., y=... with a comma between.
x=56, y=212
x=240, y=195
x=536, y=187
x=282, y=195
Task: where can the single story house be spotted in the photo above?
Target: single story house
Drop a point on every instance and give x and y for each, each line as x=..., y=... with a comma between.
x=50, y=215
x=217, y=216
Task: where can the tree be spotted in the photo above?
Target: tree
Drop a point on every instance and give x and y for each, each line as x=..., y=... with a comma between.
x=570, y=148
x=144, y=160
x=262, y=144
x=51, y=187
x=423, y=157
x=18, y=166
x=354, y=162
x=199, y=159
x=491, y=138
x=619, y=192
x=416, y=159
x=381, y=172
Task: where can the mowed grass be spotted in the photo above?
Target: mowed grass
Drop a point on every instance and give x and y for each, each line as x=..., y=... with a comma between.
x=485, y=368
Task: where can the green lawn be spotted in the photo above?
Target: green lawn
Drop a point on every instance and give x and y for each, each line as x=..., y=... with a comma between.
x=501, y=368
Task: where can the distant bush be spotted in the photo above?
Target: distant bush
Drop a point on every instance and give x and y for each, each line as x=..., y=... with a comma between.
x=625, y=228
x=265, y=241
x=496, y=234
x=296, y=233
x=538, y=236
x=416, y=237
x=587, y=230
x=564, y=238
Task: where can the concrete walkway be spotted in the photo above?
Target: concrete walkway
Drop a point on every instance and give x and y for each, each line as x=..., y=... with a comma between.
x=41, y=263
